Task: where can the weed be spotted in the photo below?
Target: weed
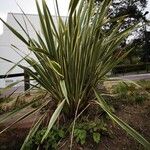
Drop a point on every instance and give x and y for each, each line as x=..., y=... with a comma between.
x=51, y=142
x=87, y=129
x=130, y=93
x=145, y=84
x=80, y=135
x=139, y=97
x=121, y=90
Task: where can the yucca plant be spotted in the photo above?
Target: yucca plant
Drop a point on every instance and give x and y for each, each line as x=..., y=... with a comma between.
x=72, y=57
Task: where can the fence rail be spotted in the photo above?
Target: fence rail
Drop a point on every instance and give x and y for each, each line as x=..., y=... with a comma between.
x=11, y=75
x=25, y=75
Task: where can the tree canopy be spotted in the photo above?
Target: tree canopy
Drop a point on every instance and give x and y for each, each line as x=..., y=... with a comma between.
x=134, y=10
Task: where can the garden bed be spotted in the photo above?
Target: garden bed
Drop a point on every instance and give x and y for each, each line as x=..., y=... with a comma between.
x=135, y=114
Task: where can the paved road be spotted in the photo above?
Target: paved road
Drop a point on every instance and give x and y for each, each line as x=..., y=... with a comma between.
x=135, y=77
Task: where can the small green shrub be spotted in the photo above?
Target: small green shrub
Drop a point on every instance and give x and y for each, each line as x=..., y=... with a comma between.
x=145, y=84
x=96, y=137
x=84, y=131
x=50, y=143
x=121, y=89
x=139, y=97
x=80, y=135
x=87, y=129
x=130, y=93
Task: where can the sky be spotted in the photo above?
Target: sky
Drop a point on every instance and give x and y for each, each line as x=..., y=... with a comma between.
x=30, y=8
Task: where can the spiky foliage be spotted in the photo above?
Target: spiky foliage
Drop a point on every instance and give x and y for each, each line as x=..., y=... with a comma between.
x=73, y=57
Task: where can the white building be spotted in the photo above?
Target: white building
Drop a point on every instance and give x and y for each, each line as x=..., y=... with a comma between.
x=7, y=38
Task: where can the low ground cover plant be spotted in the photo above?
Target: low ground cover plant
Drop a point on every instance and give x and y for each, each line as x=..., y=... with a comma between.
x=145, y=84
x=85, y=130
x=130, y=93
x=70, y=59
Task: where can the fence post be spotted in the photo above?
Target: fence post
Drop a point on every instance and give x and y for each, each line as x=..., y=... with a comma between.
x=146, y=67
x=26, y=83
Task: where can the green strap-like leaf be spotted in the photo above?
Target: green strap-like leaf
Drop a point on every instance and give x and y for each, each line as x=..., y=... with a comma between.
x=53, y=119
x=18, y=120
x=72, y=6
x=64, y=90
x=121, y=123
x=24, y=116
x=33, y=131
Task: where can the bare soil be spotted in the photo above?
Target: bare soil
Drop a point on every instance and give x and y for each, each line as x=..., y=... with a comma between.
x=136, y=115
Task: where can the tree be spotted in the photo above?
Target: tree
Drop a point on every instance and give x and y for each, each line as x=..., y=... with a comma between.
x=134, y=9
x=145, y=54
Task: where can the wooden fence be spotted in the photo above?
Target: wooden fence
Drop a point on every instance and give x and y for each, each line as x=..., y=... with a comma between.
x=25, y=75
